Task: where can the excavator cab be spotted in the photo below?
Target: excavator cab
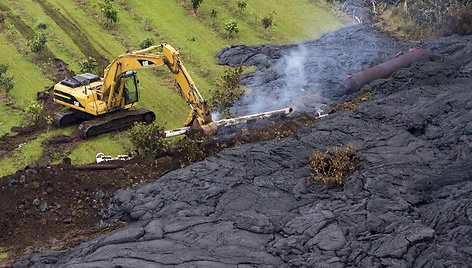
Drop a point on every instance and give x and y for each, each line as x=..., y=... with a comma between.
x=130, y=92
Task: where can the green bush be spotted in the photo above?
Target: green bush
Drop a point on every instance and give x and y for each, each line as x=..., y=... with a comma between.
x=268, y=20
x=37, y=43
x=146, y=43
x=35, y=115
x=223, y=98
x=110, y=13
x=196, y=4
x=231, y=27
x=148, y=139
x=88, y=66
x=6, y=81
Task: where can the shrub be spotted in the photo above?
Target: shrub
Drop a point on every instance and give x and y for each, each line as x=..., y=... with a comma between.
x=110, y=13
x=146, y=43
x=231, y=27
x=196, y=4
x=242, y=4
x=267, y=21
x=35, y=115
x=37, y=43
x=223, y=98
x=88, y=66
x=194, y=149
x=332, y=166
x=148, y=139
x=6, y=81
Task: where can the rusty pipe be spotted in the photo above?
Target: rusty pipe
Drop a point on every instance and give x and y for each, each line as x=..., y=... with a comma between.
x=384, y=70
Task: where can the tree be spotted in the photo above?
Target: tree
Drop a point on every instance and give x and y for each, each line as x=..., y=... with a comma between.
x=224, y=98
x=196, y=4
x=6, y=81
x=231, y=27
x=88, y=66
x=109, y=12
x=37, y=43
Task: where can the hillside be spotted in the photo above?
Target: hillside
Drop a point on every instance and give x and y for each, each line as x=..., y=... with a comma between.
x=250, y=196
x=76, y=30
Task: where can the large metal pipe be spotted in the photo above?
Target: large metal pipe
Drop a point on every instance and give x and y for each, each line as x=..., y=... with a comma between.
x=384, y=70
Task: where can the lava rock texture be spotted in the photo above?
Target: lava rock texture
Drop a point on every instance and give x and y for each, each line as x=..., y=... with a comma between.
x=409, y=204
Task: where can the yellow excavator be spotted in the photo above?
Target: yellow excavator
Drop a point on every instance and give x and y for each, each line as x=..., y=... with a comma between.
x=102, y=104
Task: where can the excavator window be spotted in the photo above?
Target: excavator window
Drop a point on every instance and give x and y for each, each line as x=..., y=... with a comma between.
x=131, y=93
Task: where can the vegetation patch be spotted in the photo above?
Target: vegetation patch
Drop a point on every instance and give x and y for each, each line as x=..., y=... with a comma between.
x=331, y=166
x=419, y=20
x=230, y=91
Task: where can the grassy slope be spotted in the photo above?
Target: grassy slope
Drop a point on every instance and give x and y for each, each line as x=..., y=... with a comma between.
x=198, y=37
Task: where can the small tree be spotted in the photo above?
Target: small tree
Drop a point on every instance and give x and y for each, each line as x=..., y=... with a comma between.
x=196, y=4
x=149, y=139
x=224, y=98
x=88, y=66
x=6, y=81
x=37, y=43
x=267, y=21
x=242, y=4
x=146, y=43
x=110, y=13
x=231, y=27
x=35, y=115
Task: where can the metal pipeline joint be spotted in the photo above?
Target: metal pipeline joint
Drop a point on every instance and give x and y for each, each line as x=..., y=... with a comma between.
x=384, y=70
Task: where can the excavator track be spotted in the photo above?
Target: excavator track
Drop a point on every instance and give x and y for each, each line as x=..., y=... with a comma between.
x=68, y=118
x=118, y=120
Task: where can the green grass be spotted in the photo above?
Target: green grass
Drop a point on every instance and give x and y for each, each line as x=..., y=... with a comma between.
x=28, y=79
x=24, y=155
x=112, y=144
x=198, y=37
x=8, y=119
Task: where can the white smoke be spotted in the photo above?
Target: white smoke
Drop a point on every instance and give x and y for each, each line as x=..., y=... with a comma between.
x=288, y=87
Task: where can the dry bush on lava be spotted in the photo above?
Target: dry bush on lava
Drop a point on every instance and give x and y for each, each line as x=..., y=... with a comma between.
x=332, y=166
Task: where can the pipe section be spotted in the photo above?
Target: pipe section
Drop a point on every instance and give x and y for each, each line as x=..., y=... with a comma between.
x=384, y=70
